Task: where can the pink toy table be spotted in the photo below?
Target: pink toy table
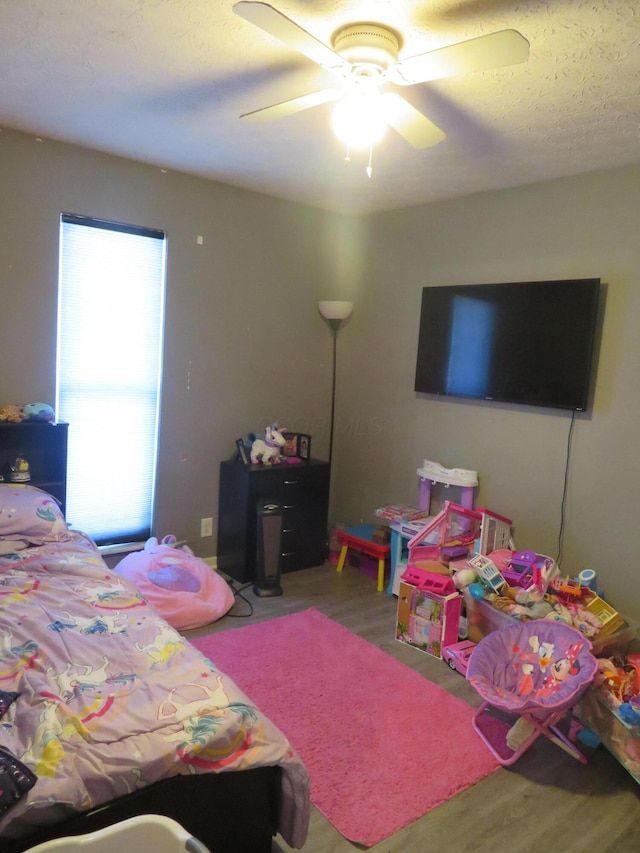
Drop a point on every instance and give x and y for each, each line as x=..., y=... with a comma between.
x=361, y=539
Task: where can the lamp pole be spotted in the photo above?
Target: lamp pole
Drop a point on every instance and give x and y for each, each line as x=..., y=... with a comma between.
x=335, y=313
x=335, y=325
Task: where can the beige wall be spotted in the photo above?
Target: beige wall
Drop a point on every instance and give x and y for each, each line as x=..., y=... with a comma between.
x=578, y=227
x=242, y=310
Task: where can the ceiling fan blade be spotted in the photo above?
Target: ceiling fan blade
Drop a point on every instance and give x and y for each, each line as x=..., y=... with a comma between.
x=288, y=32
x=410, y=123
x=295, y=105
x=506, y=47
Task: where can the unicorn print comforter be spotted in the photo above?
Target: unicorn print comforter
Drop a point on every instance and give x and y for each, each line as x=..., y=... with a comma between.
x=111, y=698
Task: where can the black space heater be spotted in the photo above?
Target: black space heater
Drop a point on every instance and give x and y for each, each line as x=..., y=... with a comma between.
x=269, y=521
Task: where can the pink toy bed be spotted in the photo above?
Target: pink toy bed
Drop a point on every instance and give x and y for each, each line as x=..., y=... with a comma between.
x=115, y=708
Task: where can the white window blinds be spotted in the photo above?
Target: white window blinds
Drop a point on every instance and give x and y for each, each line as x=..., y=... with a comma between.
x=110, y=324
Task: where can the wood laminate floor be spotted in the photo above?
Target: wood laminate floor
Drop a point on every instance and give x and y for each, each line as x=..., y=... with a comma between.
x=546, y=803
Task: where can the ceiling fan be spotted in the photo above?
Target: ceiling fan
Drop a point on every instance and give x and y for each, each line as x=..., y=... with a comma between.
x=366, y=58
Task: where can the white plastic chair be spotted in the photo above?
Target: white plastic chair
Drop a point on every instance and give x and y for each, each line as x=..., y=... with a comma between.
x=144, y=834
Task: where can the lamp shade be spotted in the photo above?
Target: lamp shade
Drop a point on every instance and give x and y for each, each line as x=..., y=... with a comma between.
x=335, y=310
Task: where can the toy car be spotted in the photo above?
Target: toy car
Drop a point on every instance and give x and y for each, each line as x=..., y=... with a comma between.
x=457, y=655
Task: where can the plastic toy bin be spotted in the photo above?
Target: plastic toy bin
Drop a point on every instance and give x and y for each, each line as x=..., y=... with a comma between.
x=483, y=618
x=621, y=739
x=618, y=642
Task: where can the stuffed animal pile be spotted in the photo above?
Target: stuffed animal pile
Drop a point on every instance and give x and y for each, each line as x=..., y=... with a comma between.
x=618, y=683
x=528, y=602
x=533, y=604
x=31, y=412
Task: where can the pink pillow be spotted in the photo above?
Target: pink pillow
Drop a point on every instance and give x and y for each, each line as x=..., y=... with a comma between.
x=181, y=587
x=29, y=513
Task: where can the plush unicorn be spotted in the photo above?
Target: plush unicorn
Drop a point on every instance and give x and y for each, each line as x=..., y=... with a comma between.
x=267, y=450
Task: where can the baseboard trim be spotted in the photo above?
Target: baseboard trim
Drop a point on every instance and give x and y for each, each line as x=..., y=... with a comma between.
x=122, y=548
x=127, y=547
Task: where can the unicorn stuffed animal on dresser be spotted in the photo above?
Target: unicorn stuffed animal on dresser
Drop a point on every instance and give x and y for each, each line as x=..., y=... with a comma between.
x=267, y=450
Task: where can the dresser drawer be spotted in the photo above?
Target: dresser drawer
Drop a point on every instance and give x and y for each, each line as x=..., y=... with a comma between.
x=301, y=491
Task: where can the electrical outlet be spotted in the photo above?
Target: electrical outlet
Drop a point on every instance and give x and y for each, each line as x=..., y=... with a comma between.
x=206, y=527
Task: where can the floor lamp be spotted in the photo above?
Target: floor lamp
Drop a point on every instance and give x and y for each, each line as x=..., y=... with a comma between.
x=335, y=313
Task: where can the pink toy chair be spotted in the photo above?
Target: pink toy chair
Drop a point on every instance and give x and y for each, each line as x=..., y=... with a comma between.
x=534, y=672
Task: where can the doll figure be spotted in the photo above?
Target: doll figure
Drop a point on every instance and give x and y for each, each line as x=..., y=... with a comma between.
x=561, y=669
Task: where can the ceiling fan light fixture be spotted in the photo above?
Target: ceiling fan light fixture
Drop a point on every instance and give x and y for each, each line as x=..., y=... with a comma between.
x=359, y=119
x=367, y=45
x=366, y=57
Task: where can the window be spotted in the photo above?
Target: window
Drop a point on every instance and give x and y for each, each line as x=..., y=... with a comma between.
x=110, y=322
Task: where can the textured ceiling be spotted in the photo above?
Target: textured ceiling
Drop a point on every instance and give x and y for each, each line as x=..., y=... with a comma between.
x=165, y=81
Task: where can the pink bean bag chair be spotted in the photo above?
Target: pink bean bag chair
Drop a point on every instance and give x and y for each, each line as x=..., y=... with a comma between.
x=181, y=587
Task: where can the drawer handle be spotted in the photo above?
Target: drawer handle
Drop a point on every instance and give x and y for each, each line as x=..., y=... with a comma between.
x=291, y=482
x=287, y=554
x=288, y=530
x=289, y=506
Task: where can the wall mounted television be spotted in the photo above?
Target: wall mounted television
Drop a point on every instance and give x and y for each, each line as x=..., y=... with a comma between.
x=529, y=342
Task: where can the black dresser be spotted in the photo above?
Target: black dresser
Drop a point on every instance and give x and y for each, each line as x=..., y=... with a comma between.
x=45, y=447
x=301, y=493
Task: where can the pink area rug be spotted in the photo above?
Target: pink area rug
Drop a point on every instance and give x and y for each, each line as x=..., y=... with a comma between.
x=382, y=745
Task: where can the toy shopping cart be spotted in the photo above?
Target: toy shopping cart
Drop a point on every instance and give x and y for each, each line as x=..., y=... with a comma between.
x=530, y=676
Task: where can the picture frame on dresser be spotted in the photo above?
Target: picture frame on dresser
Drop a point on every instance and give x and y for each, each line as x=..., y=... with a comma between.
x=304, y=446
x=242, y=451
x=297, y=444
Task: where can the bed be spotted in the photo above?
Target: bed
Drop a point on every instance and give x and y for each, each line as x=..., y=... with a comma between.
x=116, y=713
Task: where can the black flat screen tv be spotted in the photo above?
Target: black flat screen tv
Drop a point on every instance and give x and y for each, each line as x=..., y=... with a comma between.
x=529, y=342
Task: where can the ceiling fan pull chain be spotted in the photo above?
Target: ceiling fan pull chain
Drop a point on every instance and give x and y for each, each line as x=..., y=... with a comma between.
x=347, y=157
x=369, y=170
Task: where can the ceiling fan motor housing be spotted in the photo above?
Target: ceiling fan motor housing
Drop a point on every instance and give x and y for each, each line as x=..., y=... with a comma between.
x=368, y=47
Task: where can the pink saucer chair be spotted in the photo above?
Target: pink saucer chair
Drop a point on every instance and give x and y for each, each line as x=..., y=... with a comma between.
x=534, y=673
